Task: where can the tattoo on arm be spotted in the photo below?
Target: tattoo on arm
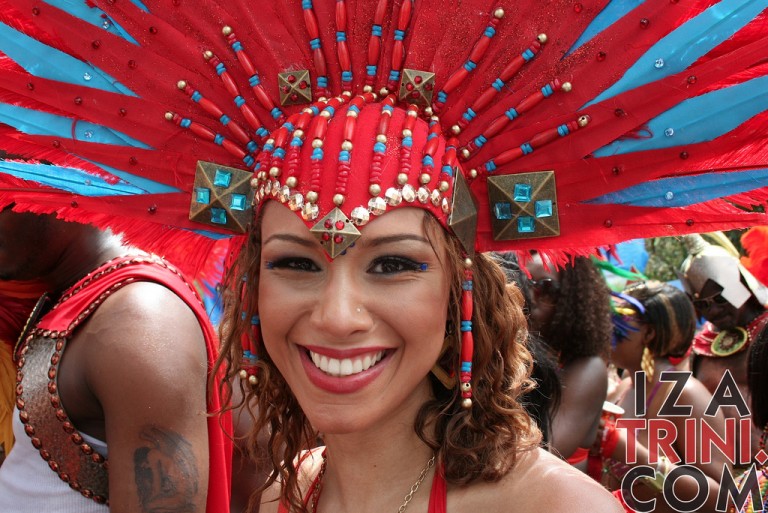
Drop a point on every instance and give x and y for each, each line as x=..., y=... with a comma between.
x=166, y=472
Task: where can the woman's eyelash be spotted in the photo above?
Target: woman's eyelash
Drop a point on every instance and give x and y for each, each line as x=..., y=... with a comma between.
x=292, y=263
x=396, y=264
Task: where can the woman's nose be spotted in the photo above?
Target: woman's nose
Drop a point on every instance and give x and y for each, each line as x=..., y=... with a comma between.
x=342, y=308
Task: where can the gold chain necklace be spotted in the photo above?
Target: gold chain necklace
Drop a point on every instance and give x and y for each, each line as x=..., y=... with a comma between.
x=414, y=487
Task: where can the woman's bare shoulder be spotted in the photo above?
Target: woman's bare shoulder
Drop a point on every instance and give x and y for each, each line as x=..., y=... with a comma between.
x=540, y=482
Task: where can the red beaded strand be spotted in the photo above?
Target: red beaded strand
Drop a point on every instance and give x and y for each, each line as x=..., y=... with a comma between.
x=342, y=49
x=398, y=50
x=374, y=45
x=214, y=110
x=207, y=134
x=315, y=44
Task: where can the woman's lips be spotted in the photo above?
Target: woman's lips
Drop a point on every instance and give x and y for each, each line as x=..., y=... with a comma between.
x=343, y=373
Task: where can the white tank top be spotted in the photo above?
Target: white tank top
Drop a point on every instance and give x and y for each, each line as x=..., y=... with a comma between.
x=28, y=485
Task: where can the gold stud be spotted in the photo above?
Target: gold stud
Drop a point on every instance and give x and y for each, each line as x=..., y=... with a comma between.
x=338, y=199
x=374, y=189
x=407, y=133
x=346, y=146
x=425, y=178
x=274, y=171
x=566, y=87
x=473, y=173
x=367, y=89
x=498, y=13
x=207, y=55
x=466, y=403
x=402, y=178
x=465, y=153
x=312, y=197
x=381, y=138
x=169, y=116
x=317, y=143
x=456, y=129
x=584, y=120
x=226, y=30
x=444, y=186
x=291, y=182
x=542, y=38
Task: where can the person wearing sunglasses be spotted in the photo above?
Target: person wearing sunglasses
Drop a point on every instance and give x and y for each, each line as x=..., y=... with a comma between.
x=732, y=301
x=570, y=310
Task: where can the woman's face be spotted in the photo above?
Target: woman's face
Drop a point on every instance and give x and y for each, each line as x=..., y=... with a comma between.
x=628, y=350
x=545, y=290
x=355, y=338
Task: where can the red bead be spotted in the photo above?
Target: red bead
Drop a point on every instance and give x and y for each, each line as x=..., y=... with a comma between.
x=339, y=225
x=338, y=239
x=577, y=8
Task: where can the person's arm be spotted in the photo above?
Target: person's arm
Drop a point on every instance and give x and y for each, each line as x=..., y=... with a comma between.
x=250, y=465
x=585, y=383
x=147, y=367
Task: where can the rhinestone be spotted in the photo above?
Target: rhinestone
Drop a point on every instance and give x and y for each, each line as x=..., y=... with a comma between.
x=435, y=197
x=296, y=202
x=394, y=197
x=88, y=134
x=310, y=211
x=446, y=206
x=659, y=63
x=275, y=188
x=422, y=194
x=377, y=206
x=106, y=24
x=360, y=216
x=669, y=132
x=285, y=193
x=669, y=195
x=86, y=76
x=409, y=193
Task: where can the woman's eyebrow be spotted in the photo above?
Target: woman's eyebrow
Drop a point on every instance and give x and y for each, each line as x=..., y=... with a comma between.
x=389, y=239
x=288, y=237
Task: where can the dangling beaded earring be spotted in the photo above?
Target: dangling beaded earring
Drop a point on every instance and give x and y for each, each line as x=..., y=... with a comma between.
x=646, y=364
x=250, y=356
x=467, y=340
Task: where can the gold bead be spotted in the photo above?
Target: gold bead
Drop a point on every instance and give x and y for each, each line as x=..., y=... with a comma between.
x=467, y=262
x=566, y=87
x=402, y=179
x=226, y=30
x=269, y=141
x=374, y=189
x=323, y=99
x=274, y=171
x=425, y=178
x=317, y=143
x=498, y=13
x=465, y=153
x=367, y=89
x=346, y=94
x=169, y=116
x=243, y=374
x=346, y=146
x=413, y=113
x=291, y=182
x=312, y=197
x=444, y=186
x=352, y=113
x=338, y=199
x=584, y=120
x=407, y=133
x=473, y=173
x=384, y=91
x=542, y=38
x=466, y=403
x=325, y=114
x=298, y=133
x=427, y=111
x=466, y=387
x=436, y=119
x=254, y=183
x=456, y=129
x=381, y=138
x=262, y=175
x=181, y=84
x=252, y=380
x=207, y=55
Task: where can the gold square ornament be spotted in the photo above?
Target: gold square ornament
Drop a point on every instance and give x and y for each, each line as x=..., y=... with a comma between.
x=295, y=87
x=335, y=232
x=417, y=87
x=463, y=218
x=523, y=205
x=221, y=197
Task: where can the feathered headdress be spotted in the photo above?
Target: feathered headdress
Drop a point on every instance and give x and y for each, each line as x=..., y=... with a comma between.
x=558, y=126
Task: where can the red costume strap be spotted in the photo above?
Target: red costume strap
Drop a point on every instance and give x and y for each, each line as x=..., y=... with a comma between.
x=128, y=269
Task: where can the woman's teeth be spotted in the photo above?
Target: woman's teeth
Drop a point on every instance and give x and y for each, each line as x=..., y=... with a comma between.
x=347, y=366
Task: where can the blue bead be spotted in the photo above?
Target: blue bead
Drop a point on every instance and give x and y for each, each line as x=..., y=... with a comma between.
x=296, y=141
x=341, y=36
x=220, y=68
x=276, y=113
x=344, y=156
x=528, y=55
x=346, y=76
x=442, y=97
x=448, y=170
x=218, y=216
x=218, y=139
x=527, y=148
x=322, y=81
x=354, y=108
x=255, y=320
x=466, y=325
x=394, y=75
x=202, y=195
x=252, y=146
x=408, y=142
x=222, y=178
x=239, y=101
x=427, y=160
x=562, y=130
x=288, y=126
x=498, y=84
x=543, y=208
x=238, y=202
x=547, y=91
x=388, y=108
x=480, y=140
x=470, y=66
x=248, y=160
x=503, y=211
x=317, y=154
x=431, y=136
x=236, y=46
x=379, y=147
x=315, y=43
x=399, y=35
x=185, y=123
x=224, y=119
x=523, y=192
x=371, y=70
x=466, y=366
x=526, y=224
x=376, y=30
x=269, y=147
x=262, y=132
x=306, y=4
x=254, y=81
x=196, y=97
x=490, y=166
x=490, y=31
x=511, y=114
x=315, y=110
x=330, y=110
x=279, y=153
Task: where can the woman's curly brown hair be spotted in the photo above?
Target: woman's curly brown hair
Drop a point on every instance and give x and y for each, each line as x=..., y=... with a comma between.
x=581, y=324
x=478, y=444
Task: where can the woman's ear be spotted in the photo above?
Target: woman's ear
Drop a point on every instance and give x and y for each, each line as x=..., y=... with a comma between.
x=647, y=333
